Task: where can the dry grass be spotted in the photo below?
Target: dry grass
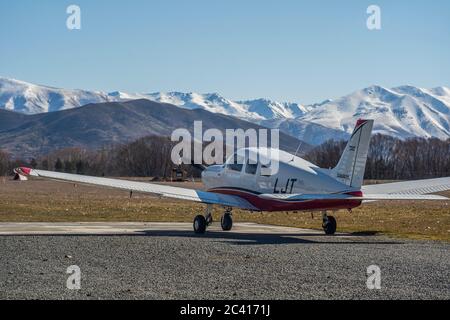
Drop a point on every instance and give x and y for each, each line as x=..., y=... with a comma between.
x=49, y=201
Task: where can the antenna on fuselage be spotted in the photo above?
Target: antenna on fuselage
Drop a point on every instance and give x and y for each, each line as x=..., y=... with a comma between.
x=299, y=146
x=296, y=151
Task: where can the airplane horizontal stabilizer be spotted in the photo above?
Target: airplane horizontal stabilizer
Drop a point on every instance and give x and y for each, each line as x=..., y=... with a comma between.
x=365, y=197
x=425, y=186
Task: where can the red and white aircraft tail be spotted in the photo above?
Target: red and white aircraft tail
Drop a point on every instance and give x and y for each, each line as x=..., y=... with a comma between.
x=351, y=166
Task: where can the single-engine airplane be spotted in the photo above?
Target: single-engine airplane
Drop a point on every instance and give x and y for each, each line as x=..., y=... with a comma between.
x=298, y=185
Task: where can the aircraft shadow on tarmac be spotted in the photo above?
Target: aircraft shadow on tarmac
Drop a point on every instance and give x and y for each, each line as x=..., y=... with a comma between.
x=238, y=238
x=268, y=238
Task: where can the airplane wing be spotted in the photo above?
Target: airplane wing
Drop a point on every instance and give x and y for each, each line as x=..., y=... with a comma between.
x=144, y=187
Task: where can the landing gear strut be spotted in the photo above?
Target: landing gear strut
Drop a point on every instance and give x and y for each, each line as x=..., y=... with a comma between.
x=201, y=222
x=227, y=221
x=329, y=224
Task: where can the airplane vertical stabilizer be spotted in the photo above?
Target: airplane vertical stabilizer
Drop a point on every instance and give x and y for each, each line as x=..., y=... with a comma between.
x=351, y=166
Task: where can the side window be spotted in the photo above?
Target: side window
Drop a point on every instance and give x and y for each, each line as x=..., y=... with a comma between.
x=235, y=163
x=251, y=168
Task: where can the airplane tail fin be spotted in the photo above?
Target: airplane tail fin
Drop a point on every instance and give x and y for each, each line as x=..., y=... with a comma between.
x=351, y=166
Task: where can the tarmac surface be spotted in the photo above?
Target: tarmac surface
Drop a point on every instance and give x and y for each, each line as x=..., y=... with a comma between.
x=168, y=261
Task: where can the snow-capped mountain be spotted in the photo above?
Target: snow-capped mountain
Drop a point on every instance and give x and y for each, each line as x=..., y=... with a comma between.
x=309, y=132
x=402, y=112
x=269, y=109
x=29, y=98
x=117, y=96
x=259, y=109
x=212, y=102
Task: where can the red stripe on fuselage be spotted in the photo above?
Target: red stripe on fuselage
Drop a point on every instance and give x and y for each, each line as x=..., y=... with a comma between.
x=283, y=205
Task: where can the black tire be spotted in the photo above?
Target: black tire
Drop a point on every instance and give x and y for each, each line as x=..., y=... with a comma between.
x=226, y=222
x=330, y=226
x=199, y=224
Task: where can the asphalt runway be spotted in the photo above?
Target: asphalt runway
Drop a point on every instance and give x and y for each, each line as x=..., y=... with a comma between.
x=168, y=261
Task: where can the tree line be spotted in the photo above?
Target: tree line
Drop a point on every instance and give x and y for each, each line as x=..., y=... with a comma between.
x=389, y=158
x=146, y=157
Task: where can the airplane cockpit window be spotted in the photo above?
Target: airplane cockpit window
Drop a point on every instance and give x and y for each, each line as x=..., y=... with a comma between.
x=251, y=168
x=235, y=162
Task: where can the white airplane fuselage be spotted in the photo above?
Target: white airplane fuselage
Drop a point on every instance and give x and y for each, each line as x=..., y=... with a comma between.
x=293, y=175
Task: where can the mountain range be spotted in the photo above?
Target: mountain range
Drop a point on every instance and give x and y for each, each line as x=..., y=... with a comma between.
x=402, y=112
x=98, y=125
x=28, y=98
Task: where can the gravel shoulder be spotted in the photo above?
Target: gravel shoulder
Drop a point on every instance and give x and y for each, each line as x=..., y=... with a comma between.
x=157, y=262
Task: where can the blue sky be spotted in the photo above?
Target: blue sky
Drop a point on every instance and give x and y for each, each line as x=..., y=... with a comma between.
x=303, y=51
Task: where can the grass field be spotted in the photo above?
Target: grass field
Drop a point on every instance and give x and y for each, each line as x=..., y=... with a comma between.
x=50, y=201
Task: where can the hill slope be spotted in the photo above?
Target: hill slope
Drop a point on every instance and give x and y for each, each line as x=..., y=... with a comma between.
x=97, y=125
x=401, y=112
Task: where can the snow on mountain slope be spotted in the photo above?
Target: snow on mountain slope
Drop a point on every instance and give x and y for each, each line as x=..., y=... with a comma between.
x=442, y=93
x=311, y=133
x=404, y=111
x=401, y=112
x=29, y=98
x=269, y=109
x=259, y=109
x=117, y=96
x=212, y=102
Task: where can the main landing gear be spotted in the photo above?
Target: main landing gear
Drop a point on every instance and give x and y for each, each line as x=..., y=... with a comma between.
x=202, y=222
x=329, y=224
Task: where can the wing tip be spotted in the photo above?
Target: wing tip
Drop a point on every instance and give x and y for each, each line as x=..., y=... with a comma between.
x=25, y=171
